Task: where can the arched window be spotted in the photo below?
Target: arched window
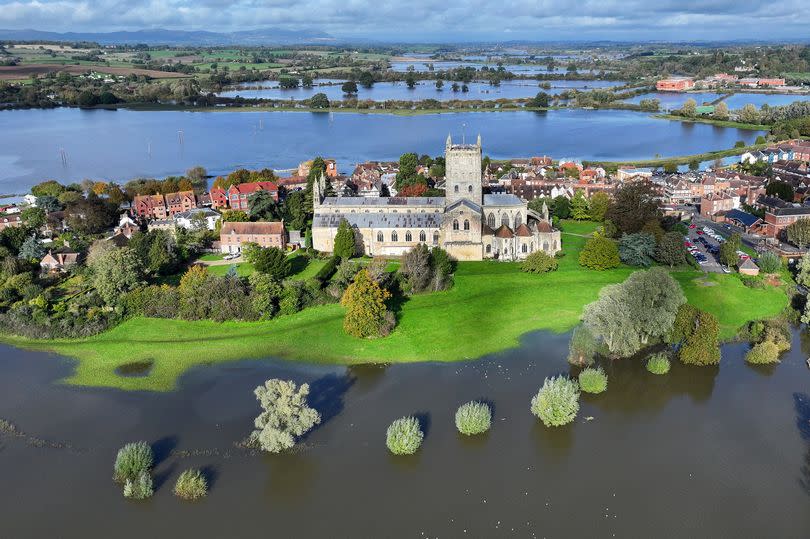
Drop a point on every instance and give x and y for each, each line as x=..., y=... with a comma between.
x=408, y=236
x=466, y=224
x=505, y=219
x=545, y=246
x=524, y=248
x=491, y=220
x=422, y=236
x=455, y=188
x=455, y=224
x=380, y=236
x=489, y=249
x=469, y=188
x=394, y=235
x=518, y=221
x=435, y=238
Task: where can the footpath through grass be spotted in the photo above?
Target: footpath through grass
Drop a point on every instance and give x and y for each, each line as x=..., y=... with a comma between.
x=488, y=309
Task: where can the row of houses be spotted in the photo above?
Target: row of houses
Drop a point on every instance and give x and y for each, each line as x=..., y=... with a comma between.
x=791, y=150
x=683, y=84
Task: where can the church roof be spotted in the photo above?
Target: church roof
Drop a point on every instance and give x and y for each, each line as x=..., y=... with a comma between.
x=380, y=220
x=486, y=230
x=464, y=202
x=504, y=232
x=523, y=231
x=502, y=199
x=384, y=201
x=544, y=227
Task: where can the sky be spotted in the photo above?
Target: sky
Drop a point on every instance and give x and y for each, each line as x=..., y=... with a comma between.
x=432, y=20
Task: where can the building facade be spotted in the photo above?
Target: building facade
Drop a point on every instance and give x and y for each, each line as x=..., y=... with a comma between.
x=266, y=234
x=466, y=223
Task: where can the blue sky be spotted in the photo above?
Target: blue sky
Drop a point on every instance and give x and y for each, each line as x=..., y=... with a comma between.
x=437, y=20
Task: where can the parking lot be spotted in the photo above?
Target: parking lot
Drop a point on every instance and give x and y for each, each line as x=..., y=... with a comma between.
x=704, y=245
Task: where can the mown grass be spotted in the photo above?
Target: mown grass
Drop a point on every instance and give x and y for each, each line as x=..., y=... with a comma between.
x=488, y=309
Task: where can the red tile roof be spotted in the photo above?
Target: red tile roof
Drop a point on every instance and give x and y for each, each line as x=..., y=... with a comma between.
x=504, y=232
x=523, y=231
x=544, y=228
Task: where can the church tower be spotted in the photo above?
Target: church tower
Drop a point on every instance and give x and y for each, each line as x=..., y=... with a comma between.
x=463, y=171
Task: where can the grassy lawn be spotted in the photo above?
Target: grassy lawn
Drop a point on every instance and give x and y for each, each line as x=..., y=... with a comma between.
x=243, y=269
x=444, y=326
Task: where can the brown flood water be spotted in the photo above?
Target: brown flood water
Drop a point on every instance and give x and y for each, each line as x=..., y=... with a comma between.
x=701, y=452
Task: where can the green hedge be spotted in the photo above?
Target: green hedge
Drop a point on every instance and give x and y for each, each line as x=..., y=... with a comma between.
x=328, y=269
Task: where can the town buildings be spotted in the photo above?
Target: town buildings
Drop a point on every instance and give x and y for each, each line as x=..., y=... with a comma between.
x=266, y=234
x=675, y=84
x=9, y=220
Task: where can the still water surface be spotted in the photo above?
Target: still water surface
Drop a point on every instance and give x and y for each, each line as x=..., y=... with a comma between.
x=701, y=452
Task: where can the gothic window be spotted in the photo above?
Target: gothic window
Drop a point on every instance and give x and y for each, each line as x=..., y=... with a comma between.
x=505, y=219
x=469, y=188
x=518, y=221
x=491, y=220
x=489, y=249
x=435, y=238
x=422, y=236
x=455, y=188
x=394, y=235
x=545, y=246
x=380, y=236
x=466, y=224
x=455, y=224
x=408, y=236
x=524, y=248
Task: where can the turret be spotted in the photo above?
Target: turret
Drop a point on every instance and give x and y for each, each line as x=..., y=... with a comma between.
x=449, y=142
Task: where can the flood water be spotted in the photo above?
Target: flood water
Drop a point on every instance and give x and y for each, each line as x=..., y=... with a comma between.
x=675, y=100
x=423, y=66
x=382, y=91
x=121, y=145
x=700, y=452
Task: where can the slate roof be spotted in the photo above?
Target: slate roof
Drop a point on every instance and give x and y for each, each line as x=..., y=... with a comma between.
x=384, y=201
x=748, y=264
x=745, y=218
x=464, y=202
x=380, y=220
x=502, y=199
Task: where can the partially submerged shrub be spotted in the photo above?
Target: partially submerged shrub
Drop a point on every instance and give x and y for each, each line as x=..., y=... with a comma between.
x=139, y=488
x=557, y=402
x=763, y=353
x=132, y=461
x=473, y=418
x=286, y=415
x=191, y=485
x=583, y=346
x=404, y=437
x=658, y=363
x=593, y=380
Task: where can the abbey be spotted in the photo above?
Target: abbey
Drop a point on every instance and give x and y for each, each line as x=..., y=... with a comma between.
x=468, y=224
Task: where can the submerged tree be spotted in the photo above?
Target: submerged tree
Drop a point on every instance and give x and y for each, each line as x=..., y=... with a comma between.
x=286, y=415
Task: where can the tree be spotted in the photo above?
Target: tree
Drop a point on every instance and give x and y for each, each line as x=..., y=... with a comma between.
x=540, y=101
x=671, y=250
x=780, y=189
x=798, y=232
x=579, y=206
x=271, y=261
x=557, y=402
x=599, y=205
x=116, y=272
x=366, y=311
x=33, y=217
x=410, y=80
x=47, y=188
x=306, y=81
x=562, y=207
x=439, y=84
x=728, y=250
x=721, y=111
x=582, y=347
x=539, y=262
x=319, y=101
x=295, y=214
x=235, y=216
x=288, y=83
x=599, y=253
x=91, y=215
x=408, y=164
x=637, y=249
x=417, y=269
x=31, y=249
x=769, y=262
x=263, y=206
x=633, y=205
x=345, y=244
x=349, y=87
x=702, y=345
x=689, y=108
x=749, y=114
x=285, y=416
x=366, y=79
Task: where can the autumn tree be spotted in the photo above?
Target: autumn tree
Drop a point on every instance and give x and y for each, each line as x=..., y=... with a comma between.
x=366, y=312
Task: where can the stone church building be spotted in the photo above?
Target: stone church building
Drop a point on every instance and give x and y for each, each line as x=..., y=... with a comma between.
x=466, y=223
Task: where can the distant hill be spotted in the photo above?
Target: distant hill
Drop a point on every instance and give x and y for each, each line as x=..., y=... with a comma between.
x=159, y=36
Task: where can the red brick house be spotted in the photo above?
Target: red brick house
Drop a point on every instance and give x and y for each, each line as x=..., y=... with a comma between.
x=150, y=206
x=238, y=195
x=675, y=84
x=713, y=203
x=233, y=235
x=219, y=198
x=180, y=202
x=9, y=220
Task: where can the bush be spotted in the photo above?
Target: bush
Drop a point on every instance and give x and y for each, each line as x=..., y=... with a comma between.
x=473, y=418
x=366, y=312
x=139, y=488
x=599, y=253
x=557, y=402
x=133, y=460
x=702, y=346
x=763, y=353
x=191, y=485
x=593, y=380
x=404, y=437
x=286, y=415
x=769, y=262
x=658, y=363
x=539, y=262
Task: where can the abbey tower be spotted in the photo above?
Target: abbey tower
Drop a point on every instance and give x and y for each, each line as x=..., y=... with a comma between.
x=463, y=171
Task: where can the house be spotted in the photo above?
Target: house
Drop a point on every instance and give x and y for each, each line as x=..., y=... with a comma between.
x=59, y=261
x=771, y=82
x=780, y=214
x=7, y=221
x=747, y=221
x=161, y=224
x=189, y=219
x=239, y=195
x=675, y=84
x=714, y=203
x=180, y=202
x=150, y=206
x=267, y=234
x=747, y=267
x=219, y=198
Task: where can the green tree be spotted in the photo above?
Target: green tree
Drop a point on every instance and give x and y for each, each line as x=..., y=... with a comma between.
x=407, y=175
x=31, y=249
x=349, y=87
x=366, y=312
x=689, y=108
x=702, y=346
x=599, y=205
x=769, y=262
x=48, y=188
x=562, y=207
x=798, y=233
x=295, y=214
x=539, y=262
x=439, y=84
x=366, y=79
x=319, y=101
x=116, y=272
x=637, y=249
x=749, y=114
x=285, y=415
x=306, y=81
x=410, y=80
x=271, y=261
x=263, y=206
x=345, y=244
x=540, y=101
x=33, y=217
x=599, y=253
x=633, y=205
x=780, y=189
x=579, y=206
x=728, y=250
x=671, y=250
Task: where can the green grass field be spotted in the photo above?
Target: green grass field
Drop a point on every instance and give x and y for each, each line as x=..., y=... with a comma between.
x=488, y=309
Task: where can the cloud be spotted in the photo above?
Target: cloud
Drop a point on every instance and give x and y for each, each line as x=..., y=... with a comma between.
x=429, y=19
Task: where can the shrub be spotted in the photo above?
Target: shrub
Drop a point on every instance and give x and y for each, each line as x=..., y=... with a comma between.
x=366, y=312
x=702, y=346
x=473, y=418
x=404, y=437
x=763, y=353
x=583, y=346
x=139, y=488
x=593, y=380
x=133, y=460
x=658, y=363
x=769, y=262
x=557, y=402
x=191, y=485
x=285, y=416
x=539, y=262
x=599, y=253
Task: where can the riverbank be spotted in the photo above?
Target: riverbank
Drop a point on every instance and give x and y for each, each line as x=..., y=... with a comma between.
x=712, y=121
x=681, y=159
x=490, y=308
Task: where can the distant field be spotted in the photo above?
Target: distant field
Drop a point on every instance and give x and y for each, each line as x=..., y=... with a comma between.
x=25, y=71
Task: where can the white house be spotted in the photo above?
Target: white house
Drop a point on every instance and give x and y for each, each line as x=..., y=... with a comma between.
x=189, y=219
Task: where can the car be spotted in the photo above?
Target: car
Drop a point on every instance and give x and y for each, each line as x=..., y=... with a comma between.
x=692, y=226
x=688, y=244
x=725, y=269
x=700, y=232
